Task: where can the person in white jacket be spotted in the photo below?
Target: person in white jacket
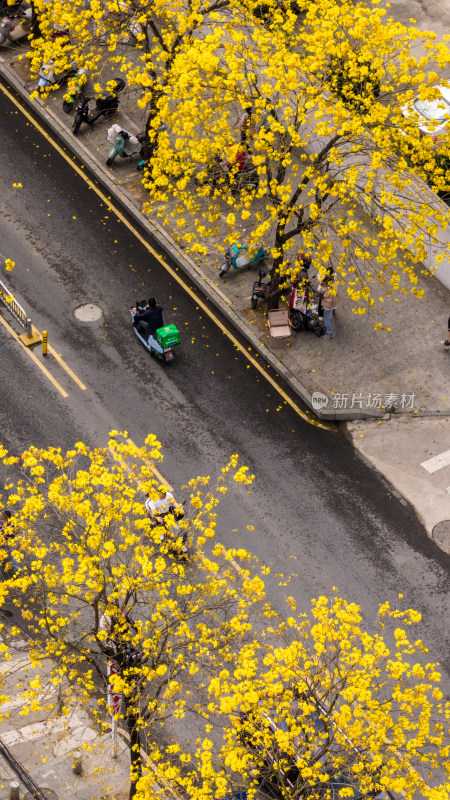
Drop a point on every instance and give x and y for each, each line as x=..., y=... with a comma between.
x=165, y=504
x=124, y=143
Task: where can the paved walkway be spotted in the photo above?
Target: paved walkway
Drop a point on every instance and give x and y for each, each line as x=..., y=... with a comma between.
x=362, y=372
x=45, y=747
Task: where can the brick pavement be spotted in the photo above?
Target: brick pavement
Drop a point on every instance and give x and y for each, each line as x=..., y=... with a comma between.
x=45, y=745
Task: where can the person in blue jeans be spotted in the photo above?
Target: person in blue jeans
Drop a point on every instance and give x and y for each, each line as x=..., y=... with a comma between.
x=328, y=291
x=9, y=564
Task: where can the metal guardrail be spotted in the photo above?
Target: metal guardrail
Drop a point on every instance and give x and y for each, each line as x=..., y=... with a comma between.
x=8, y=299
x=24, y=777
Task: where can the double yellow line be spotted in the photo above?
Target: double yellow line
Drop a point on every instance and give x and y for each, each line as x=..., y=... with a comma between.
x=39, y=364
x=173, y=273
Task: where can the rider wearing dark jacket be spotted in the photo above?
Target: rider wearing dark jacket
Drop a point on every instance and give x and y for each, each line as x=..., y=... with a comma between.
x=150, y=320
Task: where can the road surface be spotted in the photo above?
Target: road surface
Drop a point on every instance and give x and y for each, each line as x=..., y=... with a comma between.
x=318, y=510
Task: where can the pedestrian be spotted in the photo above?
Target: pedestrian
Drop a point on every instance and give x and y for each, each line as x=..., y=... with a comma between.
x=446, y=342
x=6, y=27
x=328, y=291
x=8, y=564
x=330, y=274
x=243, y=124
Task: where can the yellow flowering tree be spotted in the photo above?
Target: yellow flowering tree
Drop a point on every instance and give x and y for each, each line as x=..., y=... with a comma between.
x=321, y=708
x=327, y=145
x=298, y=705
x=103, y=31
x=324, y=160
x=96, y=584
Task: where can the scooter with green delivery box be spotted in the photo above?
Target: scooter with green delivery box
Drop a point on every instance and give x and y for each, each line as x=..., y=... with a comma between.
x=162, y=343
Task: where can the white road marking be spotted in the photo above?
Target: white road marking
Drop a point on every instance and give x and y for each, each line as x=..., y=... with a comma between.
x=49, y=772
x=438, y=462
x=13, y=665
x=78, y=737
x=38, y=729
x=17, y=702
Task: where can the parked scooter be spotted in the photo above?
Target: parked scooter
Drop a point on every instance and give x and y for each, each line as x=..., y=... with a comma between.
x=12, y=9
x=166, y=338
x=124, y=144
x=237, y=256
x=6, y=28
x=105, y=106
x=260, y=290
x=303, y=312
x=75, y=91
x=48, y=77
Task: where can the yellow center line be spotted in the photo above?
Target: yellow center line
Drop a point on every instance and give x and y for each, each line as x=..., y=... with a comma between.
x=153, y=469
x=180, y=280
x=62, y=363
x=34, y=358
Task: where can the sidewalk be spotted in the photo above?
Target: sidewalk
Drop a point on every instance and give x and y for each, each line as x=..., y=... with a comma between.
x=44, y=747
x=361, y=373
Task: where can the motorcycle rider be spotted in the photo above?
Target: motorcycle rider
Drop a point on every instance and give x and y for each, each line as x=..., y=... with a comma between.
x=165, y=504
x=148, y=321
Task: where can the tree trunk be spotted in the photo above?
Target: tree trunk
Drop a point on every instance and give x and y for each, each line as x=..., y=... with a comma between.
x=135, y=751
x=275, y=291
x=275, y=275
x=35, y=27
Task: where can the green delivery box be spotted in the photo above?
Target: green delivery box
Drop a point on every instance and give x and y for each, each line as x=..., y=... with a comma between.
x=168, y=336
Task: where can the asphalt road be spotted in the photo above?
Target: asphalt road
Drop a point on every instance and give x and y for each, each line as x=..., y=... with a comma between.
x=318, y=510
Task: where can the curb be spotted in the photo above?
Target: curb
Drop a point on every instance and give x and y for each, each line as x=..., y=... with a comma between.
x=164, y=243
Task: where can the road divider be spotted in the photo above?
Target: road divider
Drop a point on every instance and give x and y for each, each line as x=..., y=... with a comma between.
x=18, y=312
x=36, y=338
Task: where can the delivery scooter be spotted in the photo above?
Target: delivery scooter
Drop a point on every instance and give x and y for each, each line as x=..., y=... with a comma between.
x=161, y=345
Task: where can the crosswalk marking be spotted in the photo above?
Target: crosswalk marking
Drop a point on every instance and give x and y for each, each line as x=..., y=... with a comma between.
x=11, y=666
x=437, y=462
x=38, y=729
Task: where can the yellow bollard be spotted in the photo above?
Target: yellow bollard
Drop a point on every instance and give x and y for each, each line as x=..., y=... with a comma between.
x=77, y=764
x=44, y=343
x=14, y=791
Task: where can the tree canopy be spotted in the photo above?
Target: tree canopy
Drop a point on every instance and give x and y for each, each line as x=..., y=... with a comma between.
x=324, y=160
x=97, y=582
x=292, y=704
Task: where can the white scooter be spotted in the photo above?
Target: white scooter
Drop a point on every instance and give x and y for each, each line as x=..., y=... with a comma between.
x=166, y=338
x=48, y=77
